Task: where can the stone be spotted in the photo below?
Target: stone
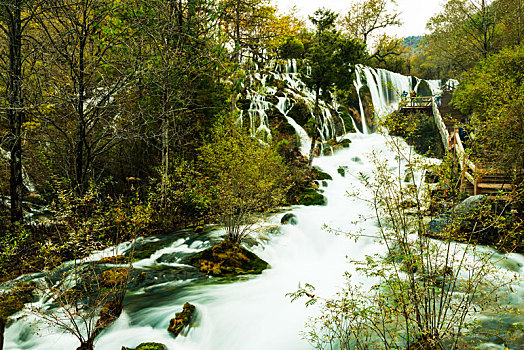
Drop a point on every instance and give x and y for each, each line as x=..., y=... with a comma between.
x=227, y=259
x=456, y=216
x=182, y=319
x=148, y=346
x=289, y=218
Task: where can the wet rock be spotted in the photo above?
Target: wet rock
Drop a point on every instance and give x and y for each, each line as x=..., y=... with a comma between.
x=458, y=216
x=310, y=196
x=148, y=346
x=182, y=319
x=342, y=170
x=170, y=258
x=117, y=259
x=289, y=218
x=227, y=259
x=141, y=278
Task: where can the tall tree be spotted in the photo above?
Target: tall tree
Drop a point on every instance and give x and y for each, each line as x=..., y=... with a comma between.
x=87, y=69
x=463, y=33
x=16, y=17
x=367, y=17
x=183, y=53
x=332, y=59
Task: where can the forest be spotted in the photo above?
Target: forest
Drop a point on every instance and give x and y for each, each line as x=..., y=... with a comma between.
x=135, y=119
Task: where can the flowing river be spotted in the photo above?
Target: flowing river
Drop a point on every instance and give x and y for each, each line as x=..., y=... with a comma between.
x=253, y=312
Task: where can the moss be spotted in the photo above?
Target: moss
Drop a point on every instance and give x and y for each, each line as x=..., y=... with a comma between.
x=300, y=113
x=348, y=120
x=117, y=259
x=113, y=278
x=182, y=319
x=345, y=143
x=342, y=171
x=318, y=174
x=311, y=196
x=14, y=300
x=148, y=346
x=228, y=259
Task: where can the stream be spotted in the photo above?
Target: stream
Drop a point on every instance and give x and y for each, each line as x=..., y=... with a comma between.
x=253, y=312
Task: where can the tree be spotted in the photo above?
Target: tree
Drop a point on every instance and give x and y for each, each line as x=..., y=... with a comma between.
x=179, y=92
x=86, y=76
x=332, y=59
x=367, y=18
x=492, y=93
x=463, y=34
x=16, y=18
x=88, y=300
x=244, y=178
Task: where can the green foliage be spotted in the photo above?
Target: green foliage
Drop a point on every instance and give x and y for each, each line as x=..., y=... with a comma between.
x=331, y=55
x=418, y=129
x=292, y=48
x=182, y=198
x=242, y=177
x=493, y=93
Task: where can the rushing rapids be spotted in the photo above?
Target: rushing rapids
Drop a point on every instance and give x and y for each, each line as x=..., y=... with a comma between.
x=254, y=312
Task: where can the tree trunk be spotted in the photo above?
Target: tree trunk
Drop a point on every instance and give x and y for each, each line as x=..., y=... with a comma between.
x=2, y=330
x=315, y=128
x=165, y=159
x=81, y=128
x=15, y=109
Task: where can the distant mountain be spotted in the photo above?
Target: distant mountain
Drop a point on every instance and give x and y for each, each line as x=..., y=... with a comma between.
x=413, y=44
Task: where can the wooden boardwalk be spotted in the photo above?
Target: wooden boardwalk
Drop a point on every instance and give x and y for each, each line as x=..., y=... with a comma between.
x=475, y=178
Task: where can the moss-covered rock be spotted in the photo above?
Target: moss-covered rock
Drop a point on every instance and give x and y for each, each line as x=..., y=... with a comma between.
x=148, y=346
x=228, y=259
x=13, y=301
x=300, y=112
x=342, y=170
x=320, y=175
x=182, y=319
x=115, y=277
x=117, y=259
x=289, y=218
x=423, y=89
x=310, y=196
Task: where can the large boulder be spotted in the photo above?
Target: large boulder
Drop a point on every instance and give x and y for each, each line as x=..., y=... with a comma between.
x=182, y=319
x=289, y=218
x=148, y=346
x=227, y=259
x=457, y=217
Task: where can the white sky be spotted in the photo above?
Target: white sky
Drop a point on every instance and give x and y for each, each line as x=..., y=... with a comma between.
x=414, y=13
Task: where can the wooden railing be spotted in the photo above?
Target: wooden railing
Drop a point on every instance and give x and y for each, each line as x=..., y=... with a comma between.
x=443, y=130
x=417, y=102
x=480, y=179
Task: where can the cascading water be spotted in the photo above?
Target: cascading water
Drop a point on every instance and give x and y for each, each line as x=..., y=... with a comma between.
x=252, y=312
x=302, y=135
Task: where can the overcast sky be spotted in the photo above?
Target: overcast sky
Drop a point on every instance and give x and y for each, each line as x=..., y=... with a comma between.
x=415, y=13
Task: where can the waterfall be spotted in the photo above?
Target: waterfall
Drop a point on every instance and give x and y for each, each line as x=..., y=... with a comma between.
x=304, y=140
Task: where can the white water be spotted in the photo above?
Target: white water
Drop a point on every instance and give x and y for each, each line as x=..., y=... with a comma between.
x=253, y=313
